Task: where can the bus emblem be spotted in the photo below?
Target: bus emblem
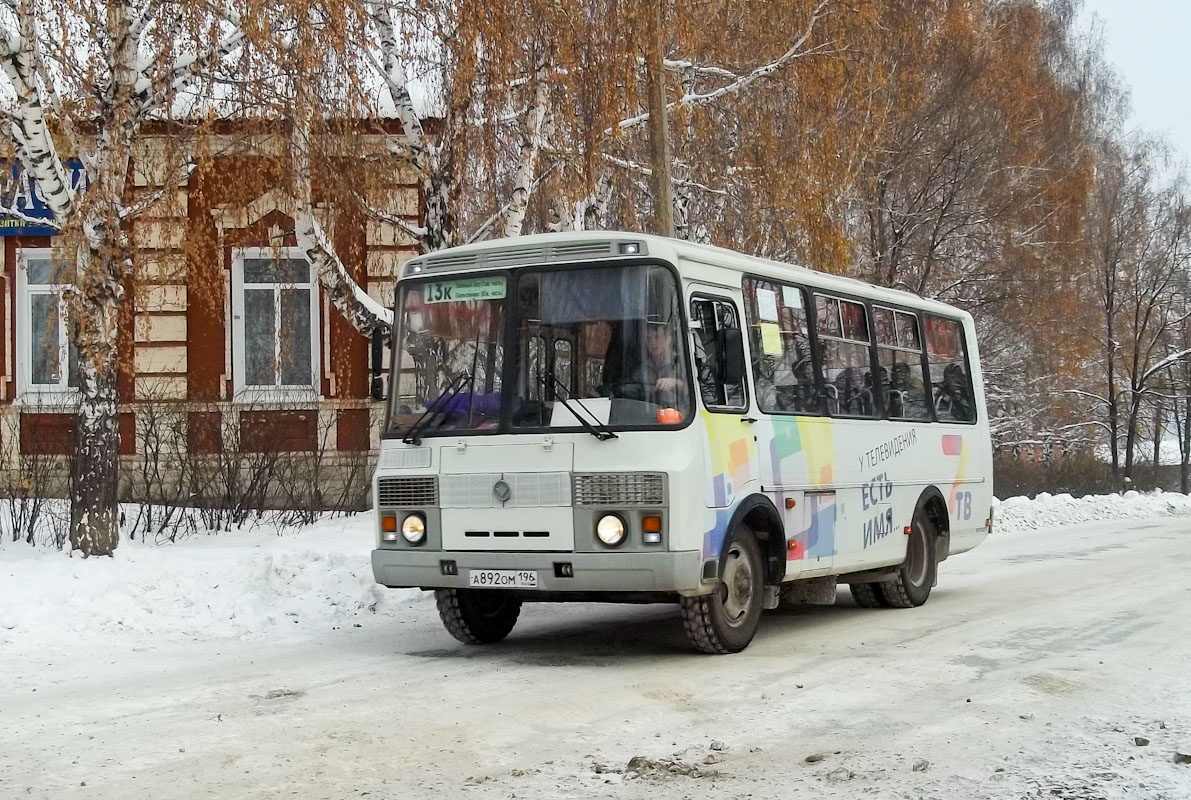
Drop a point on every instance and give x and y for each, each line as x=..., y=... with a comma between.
x=502, y=490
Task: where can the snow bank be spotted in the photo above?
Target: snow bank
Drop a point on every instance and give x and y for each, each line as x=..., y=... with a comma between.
x=286, y=583
x=236, y=585
x=1052, y=511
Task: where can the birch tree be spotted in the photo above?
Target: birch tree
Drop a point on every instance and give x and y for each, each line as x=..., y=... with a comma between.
x=84, y=79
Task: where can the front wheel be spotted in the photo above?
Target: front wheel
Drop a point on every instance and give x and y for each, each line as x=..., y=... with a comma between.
x=477, y=616
x=911, y=584
x=726, y=620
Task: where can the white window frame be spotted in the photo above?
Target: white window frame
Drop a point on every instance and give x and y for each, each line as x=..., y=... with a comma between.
x=273, y=394
x=28, y=392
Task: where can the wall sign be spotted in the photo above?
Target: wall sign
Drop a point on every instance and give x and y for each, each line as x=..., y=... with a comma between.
x=18, y=190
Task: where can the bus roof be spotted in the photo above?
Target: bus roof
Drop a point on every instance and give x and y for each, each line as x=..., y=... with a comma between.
x=569, y=247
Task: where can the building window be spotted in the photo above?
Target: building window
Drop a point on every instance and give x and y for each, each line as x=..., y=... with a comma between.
x=275, y=325
x=49, y=362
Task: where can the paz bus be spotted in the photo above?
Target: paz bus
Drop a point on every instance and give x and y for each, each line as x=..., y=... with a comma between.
x=618, y=417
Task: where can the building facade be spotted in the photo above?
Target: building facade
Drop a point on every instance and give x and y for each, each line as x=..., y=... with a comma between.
x=229, y=349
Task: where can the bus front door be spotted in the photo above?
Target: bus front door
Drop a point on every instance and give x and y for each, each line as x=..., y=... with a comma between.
x=730, y=447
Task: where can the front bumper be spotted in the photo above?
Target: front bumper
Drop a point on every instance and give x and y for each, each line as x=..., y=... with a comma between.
x=593, y=572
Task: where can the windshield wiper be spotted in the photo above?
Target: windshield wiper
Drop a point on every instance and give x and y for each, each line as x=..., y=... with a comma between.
x=441, y=404
x=599, y=430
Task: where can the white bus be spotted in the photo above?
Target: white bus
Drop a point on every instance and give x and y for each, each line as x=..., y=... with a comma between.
x=628, y=418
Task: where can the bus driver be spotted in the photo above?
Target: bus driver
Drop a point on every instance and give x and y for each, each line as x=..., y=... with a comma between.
x=656, y=379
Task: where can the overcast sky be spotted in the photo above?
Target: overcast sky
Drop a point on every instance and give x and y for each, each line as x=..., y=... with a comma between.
x=1148, y=41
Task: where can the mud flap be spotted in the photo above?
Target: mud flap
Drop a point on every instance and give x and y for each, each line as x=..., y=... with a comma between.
x=814, y=592
x=771, y=598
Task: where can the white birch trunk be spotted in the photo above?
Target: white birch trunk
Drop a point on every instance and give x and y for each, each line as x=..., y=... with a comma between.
x=31, y=134
x=530, y=147
x=94, y=473
x=363, y=312
x=103, y=262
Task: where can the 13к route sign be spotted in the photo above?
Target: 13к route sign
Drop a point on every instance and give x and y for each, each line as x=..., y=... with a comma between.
x=19, y=191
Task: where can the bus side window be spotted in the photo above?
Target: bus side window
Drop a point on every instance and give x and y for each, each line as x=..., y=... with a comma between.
x=843, y=343
x=946, y=356
x=783, y=371
x=718, y=347
x=899, y=355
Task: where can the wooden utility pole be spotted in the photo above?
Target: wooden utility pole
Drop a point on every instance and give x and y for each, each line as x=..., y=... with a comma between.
x=659, y=127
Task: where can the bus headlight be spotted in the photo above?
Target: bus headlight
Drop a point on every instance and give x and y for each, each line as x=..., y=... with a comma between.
x=611, y=530
x=413, y=528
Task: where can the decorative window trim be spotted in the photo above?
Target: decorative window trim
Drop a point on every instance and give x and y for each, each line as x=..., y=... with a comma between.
x=28, y=394
x=273, y=395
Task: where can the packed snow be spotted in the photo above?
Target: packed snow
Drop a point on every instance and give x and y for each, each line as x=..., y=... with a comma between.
x=1050, y=511
x=265, y=581
x=292, y=583
x=1049, y=663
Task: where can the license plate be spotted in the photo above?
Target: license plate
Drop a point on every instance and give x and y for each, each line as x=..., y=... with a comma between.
x=502, y=578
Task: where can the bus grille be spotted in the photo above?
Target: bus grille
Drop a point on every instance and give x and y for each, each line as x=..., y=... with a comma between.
x=620, y=489
x=407, y=492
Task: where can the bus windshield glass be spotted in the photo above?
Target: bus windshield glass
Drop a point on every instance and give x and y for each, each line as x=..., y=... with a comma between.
x=449, y=364
x=595, y=347
x=607, y=341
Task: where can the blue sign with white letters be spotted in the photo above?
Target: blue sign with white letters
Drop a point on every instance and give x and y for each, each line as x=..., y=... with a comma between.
x=19, y=191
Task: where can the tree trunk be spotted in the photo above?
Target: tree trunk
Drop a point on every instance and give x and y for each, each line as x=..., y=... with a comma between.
x=659, y=129
x=437, y=189
x=1185, y=450
x=1131, y=433
x=94, y=472
x=1159, y=421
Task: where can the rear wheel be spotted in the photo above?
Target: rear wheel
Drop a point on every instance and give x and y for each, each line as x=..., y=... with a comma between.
x=911, y=584
x=477, y=616
x=867, y=595
x=726, y=620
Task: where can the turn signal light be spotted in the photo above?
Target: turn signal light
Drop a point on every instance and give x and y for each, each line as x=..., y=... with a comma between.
x=388, y=523
x=651, y=523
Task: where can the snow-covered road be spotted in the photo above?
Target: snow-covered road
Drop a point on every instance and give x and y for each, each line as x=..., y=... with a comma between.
x=1038, y=660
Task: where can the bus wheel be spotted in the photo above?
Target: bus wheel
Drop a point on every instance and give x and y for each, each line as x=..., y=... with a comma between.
x=867, y=595
x=477, y=616
x=911, y=585
x=726, y=620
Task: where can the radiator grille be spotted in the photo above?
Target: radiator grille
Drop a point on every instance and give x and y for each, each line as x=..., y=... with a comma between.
x=469, y=490
x=527, y=490
x=620, y=489
x=407, y=492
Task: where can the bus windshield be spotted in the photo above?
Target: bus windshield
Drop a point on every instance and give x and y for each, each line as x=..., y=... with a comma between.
x=595, y=346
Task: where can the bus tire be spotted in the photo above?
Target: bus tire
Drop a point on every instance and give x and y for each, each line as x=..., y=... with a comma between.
x=910, y=587
x=867, y=595
x=726, y=620
x=477, y=616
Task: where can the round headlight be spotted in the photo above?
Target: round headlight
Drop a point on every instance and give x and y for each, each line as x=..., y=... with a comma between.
x=413, y=528
x=611, y=530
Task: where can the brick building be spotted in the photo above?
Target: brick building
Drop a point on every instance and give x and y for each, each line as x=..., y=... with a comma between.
x=229, y=334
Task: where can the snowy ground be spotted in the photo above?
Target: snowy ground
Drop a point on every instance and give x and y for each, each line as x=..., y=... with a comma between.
x=260, y=665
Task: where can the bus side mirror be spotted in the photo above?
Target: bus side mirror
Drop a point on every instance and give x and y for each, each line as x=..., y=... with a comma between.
x=380, y=387
x=733, y=350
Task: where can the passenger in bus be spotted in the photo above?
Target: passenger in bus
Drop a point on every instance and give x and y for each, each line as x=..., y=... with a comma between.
x=906, y=394
x=854, y=392
x=953, y=398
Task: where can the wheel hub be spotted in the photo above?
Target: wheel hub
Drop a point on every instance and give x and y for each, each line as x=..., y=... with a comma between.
x=737, y=586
